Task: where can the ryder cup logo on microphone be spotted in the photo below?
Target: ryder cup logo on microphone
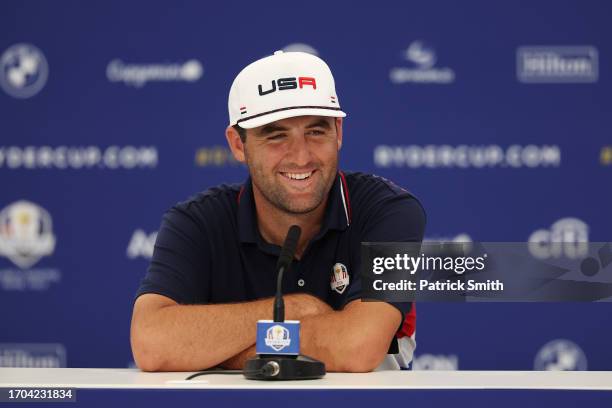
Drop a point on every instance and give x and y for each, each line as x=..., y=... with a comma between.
x=278, y=337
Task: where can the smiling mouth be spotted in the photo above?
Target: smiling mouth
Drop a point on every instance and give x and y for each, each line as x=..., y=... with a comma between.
x=298, y=176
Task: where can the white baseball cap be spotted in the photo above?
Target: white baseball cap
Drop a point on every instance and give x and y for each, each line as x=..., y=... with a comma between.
x=281, y=86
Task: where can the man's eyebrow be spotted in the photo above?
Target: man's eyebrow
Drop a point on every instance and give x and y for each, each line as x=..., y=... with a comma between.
x=319, y=123
x=271, y=128
x=266, y=130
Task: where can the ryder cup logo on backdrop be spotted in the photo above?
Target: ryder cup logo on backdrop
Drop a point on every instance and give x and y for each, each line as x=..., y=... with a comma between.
x=568, y=237
x=137, y=75
x=277, y=337
x=422, y=57
x=23, y=70
x=340, y=278
x=557, y=64
x=25, y=233
x=560, y=355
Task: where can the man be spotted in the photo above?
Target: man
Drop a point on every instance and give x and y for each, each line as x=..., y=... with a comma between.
x=213, y=274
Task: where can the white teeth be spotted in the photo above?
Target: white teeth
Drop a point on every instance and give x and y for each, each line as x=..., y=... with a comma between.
x=298, y=176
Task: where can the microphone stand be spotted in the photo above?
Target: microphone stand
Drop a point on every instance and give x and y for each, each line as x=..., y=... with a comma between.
x=279, y=366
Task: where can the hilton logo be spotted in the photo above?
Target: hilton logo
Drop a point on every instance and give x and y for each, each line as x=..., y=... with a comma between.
x=557, y=64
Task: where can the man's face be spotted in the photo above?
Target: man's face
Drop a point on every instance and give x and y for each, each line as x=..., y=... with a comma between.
x=293, y=162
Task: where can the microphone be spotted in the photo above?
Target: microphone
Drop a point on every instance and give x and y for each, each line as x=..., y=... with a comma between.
x=278, y=341
x=284, y=262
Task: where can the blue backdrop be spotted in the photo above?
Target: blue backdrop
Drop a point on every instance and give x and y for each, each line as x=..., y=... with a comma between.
x=497, y=115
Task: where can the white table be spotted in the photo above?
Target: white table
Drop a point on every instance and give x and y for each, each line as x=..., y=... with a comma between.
x=428, y=388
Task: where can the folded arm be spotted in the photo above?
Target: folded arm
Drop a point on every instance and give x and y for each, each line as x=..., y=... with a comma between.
x=355, y=339
x=167, y=336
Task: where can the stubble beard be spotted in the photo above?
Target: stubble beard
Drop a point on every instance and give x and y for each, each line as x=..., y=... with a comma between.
x=276, y=195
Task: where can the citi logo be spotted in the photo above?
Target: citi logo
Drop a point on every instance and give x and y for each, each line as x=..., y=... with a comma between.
x=283, y=84
x=568, y=237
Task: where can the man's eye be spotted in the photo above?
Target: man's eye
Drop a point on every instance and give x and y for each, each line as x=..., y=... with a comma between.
x=276, y=137
x=316, y=132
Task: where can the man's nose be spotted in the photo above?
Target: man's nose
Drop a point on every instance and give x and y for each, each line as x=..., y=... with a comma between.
x=299, y=150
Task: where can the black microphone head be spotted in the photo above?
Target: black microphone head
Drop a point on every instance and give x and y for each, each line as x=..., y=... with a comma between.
x=289, y=247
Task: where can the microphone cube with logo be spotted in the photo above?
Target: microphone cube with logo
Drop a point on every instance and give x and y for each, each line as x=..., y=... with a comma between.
x=278, y=354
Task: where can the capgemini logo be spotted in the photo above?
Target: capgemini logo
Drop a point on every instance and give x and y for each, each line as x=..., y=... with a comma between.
x=137, y=75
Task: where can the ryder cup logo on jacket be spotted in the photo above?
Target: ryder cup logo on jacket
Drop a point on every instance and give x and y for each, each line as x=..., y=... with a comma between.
x=340, y=278
x=277, y=337
x=23, y=70
x=25, y=233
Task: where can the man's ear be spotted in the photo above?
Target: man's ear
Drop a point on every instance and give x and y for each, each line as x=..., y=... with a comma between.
x=339, y=132
x=235, y=144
